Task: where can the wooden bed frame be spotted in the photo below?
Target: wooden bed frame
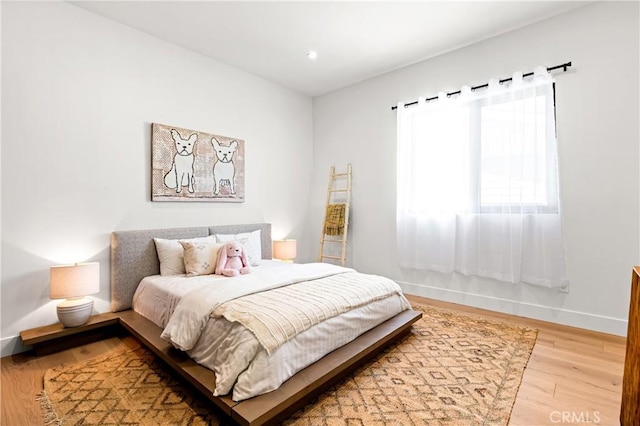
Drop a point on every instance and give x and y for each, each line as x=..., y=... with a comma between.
x=133, y=256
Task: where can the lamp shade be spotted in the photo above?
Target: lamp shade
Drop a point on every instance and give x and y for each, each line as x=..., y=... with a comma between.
x=284, y=249
x=76, y=280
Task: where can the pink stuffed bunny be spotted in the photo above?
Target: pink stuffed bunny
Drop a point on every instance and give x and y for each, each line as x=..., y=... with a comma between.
x=232, y=260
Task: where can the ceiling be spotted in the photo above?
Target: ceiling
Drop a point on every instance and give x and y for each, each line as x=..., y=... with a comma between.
x=355, y=41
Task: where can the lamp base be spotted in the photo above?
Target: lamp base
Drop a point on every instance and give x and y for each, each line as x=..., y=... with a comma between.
x=75, y=312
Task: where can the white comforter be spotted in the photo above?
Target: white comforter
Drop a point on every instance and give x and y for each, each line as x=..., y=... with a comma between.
x=192, y=313
x=240, y=362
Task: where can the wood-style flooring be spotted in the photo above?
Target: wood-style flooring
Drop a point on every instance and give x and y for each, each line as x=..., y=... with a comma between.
x=574, y=376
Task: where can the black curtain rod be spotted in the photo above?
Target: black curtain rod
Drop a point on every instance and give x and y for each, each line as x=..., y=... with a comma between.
x=482, y=86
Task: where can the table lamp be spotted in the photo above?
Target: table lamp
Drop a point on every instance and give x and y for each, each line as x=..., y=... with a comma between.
x=73, y=282
x=284, y=250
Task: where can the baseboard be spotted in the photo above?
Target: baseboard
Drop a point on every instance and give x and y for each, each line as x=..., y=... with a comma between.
x=11, y=346
x=571, y=318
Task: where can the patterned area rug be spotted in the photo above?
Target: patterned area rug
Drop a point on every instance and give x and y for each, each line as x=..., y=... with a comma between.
x=130, y=387
x=453, y=369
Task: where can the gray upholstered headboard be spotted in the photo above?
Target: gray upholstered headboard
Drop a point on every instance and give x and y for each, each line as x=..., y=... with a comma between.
x=133, y=254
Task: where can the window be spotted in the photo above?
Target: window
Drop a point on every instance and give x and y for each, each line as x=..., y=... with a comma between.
x=477, y=185
x=516, y=163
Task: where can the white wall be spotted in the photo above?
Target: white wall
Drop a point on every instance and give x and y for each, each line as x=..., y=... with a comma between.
x=597, y=119
x=79, y=94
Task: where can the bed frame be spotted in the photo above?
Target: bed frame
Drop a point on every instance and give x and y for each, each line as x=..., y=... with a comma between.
x=133, y=256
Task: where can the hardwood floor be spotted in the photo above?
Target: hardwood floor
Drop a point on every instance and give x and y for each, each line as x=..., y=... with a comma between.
x=574, y=376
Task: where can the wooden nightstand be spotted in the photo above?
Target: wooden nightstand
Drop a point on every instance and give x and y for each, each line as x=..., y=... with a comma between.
x=49, y=338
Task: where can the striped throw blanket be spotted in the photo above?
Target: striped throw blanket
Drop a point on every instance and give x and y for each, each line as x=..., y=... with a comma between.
x=275, y=316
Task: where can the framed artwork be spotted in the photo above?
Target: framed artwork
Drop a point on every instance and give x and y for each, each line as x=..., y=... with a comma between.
x=188, y=165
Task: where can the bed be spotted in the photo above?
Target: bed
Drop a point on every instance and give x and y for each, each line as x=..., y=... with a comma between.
x=134, y=259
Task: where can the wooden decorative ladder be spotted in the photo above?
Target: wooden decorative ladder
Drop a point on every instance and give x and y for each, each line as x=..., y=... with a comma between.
x=338, y=201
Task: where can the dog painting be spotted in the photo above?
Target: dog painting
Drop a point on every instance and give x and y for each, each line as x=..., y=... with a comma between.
x=224, y=171
x=190, y=165
x=181, y=173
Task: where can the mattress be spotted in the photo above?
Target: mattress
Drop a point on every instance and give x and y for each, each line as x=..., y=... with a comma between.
x=241, y=364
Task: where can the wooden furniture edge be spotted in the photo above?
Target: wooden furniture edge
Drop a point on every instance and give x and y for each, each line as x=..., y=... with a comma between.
x=630, y=403
x=45, y=333
x=300, y=389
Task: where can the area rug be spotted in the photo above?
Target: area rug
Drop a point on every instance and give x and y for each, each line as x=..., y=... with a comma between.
x=130, y=387
x=453, y=369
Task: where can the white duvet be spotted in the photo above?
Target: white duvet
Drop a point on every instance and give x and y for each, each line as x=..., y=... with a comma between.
x=240, y=362
x=193, y=312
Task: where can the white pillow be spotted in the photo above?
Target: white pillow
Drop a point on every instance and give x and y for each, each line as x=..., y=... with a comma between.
x=250, y=241
x=171, y=254
x=200, y=257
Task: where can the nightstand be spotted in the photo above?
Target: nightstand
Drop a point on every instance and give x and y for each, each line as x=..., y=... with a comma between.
x=50, y=338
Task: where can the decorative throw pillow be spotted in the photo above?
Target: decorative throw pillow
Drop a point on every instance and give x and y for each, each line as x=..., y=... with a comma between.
x=200, y=257
x=170, y=254
x=251, y=241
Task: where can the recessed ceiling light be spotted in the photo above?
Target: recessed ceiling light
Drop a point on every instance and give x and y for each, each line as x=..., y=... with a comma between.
x=312, y=54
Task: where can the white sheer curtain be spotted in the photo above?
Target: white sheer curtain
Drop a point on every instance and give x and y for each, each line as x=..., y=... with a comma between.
x=478, y=183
